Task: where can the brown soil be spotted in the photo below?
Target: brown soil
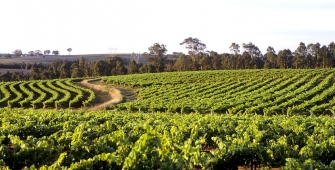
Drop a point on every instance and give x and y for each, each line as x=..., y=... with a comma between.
x=106, y=95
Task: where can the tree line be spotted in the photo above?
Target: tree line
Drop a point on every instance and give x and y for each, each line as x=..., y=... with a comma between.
x=19, y=53
x=246, y=56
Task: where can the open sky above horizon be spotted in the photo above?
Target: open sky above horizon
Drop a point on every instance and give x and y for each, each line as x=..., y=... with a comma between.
x=93, y=27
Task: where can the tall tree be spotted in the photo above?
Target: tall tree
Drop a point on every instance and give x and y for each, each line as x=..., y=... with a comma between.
x=38, y=52
x=55, y=52
x=194, y=45
x=271, y=58
x=84, y=65
x=300, y=55
x=132, y=67
x=69, y=50
x=234, y=48
x=325, y=57
x=119, y=69
x=216, y=60
x=284, y=59
x=331, y=48
x=183, y=63
x=252, y=49
x=76, y=71
x=156, y=56
x=313, y=52
x=46, y=52
x=31, y=53
x=17, y=52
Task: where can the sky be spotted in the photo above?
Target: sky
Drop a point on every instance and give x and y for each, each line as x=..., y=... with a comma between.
x=101, y=26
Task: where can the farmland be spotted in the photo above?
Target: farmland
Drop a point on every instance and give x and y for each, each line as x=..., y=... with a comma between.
x=59, y=139
x=45, y=94
x=267, y=92
x=182, y=120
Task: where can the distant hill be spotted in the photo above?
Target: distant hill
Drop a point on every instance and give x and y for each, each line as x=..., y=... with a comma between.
x=50, y=58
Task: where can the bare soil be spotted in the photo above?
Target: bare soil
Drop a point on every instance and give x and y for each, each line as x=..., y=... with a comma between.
x=107, y=95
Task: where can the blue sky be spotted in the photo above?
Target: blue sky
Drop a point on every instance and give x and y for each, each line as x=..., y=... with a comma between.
x=90, y=27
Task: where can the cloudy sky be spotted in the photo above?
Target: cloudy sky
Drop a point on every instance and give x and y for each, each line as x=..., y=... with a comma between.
x=90, y=27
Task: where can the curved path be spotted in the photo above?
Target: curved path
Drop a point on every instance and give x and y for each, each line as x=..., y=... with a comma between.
x=105, y=96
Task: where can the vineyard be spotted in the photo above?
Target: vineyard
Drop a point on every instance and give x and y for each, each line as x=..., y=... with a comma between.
x=266, y=92
x=62, y=93
x=75, y=139
x=255, y=119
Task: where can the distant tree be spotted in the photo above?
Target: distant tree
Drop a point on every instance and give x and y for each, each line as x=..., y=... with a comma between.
x=132, y=67
x=84, y=65
x=7, y=56
x=194, y=45
x=55, y=52
x=271, y=58
x=325, y=57
x=46, y=52
x=119, y=69
x=156, y=56
x=99, y=68
x=183, y=63
x=331, y=48
x=252, y=49
x=38, y=52
x=17, y=52
x=216, y=60
x=234, y=48
x=35, y=74
x=205, y=63
x=300, y=55
x=313, y=53
x=69, y=50
x=284, y=59
x=31, y=53
x=76, y=71
x=245, y=61
x=229, y=61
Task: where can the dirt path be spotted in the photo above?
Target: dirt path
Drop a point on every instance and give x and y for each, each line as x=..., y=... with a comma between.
x=105, y=96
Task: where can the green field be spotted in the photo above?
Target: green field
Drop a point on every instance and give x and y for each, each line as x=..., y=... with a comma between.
x=266, y=92
x=183, y=120
x=45, y=94
x=50, y=139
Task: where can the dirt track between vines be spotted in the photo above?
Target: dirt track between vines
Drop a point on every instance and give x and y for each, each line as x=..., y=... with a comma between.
x=105, y=95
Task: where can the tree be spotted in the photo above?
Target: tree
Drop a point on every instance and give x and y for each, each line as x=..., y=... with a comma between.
x=55, y=52
x=7, y=56
x=325, y=57
x=284, y=59
x=216, y=60
x=312, y=51
x=31, y=53
x=69, y=50
x=156, y=56
x=271, y=58
x=84, y=65
x=300, y=55
x=76, y=71
x=119, y=69
x=194, y=45
x=17, y=52
x=234, y=48
x=183, y=63
x=252, y=49
x=46, y=52
x=132, y=67
x=38, y=52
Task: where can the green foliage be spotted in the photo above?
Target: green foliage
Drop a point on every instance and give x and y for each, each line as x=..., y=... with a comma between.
x=65, y=139
x=265, y=92
x=61, y=93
